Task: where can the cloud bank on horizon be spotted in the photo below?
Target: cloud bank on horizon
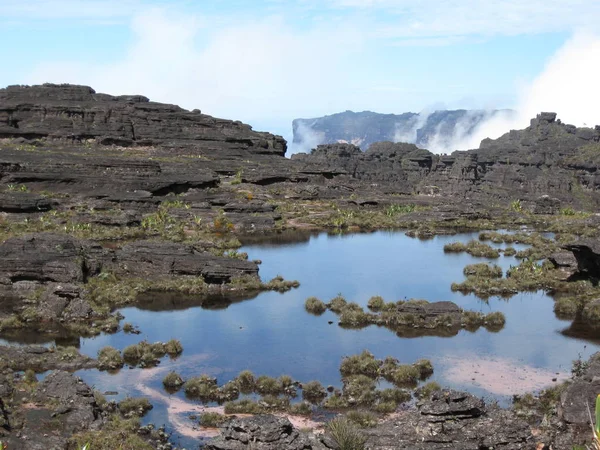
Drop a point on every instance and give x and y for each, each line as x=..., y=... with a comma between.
x=268, y=62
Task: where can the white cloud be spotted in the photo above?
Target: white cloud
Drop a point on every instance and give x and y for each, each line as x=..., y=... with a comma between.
x=443, y=18
x=252, y=70
x=567, y=86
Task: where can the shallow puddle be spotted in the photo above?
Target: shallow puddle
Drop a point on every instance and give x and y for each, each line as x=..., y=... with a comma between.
x=273, y=334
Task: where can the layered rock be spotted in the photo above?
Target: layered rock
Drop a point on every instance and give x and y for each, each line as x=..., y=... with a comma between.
x=78, y=113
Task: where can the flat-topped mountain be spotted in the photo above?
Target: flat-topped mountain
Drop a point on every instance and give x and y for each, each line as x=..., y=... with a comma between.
x=426, y=130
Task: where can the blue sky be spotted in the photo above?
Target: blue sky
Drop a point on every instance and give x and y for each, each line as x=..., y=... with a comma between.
x=268, y=62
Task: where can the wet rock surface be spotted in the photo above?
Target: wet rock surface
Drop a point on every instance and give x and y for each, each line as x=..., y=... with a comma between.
x=40, y=359
x=261, y=432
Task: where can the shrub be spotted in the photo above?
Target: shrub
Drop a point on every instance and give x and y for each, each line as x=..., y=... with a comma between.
x=29, y=377
x=425, y=368
x=301, y=409
x=394, y=395
x=244, y=406
x=268, y=385
x=345, y=435
x=405, y=375
x=314, y=392
x=203, y=387
x=566, y=307
x=173, y=380
x=386, y=407
x=246, y=382
x=494, y=320
x=228, y=392
x=427, y=390
x=132, y=354
x=336, y=402
x=212, y=419
x=483, y=270
x=137, y=407
x=315, y=306
x=360, y=388
x=376, y=303
x=362, y=364
x=109, y=358
x=173, y=347
x=337, y=304
x=363, y=419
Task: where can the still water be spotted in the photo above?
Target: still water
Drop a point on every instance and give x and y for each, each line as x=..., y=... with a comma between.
x=272, y=334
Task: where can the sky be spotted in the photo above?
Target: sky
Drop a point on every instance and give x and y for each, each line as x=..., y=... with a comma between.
x=266, y=62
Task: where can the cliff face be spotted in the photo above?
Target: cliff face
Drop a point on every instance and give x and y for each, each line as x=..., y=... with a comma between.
x=365, y=128
x=77, y=113
x=547, y=158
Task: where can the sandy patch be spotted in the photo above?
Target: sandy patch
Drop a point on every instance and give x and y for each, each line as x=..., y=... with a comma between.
x=500, y=376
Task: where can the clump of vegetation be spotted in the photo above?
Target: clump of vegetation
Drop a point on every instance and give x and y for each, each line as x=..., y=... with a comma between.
x=483, y=270
x=473, y=248
x=337, y=304
x=246, y=382
x=425, y=368
x=315, y=306
x=29, y=377
x=212, y=419
x=279, y=284
x=313, y=391
x=360, y=390
x=266, y=385
x=363, y=419
x=109, y=358
x=567, y=307
x=173, y=347
x=244, y=406
x=494, y=321
x=345, y=435
x=376, y=303
x=405, y=375
x=134, y=407
x=427, y=390
x=362, y=364
x=510, y=251
x=394, y=210
x=173, y=380
x=117, y=433
x=301, y=409
x=203, y=387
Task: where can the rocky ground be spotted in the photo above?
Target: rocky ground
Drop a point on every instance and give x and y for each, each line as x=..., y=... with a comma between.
x=106, y=201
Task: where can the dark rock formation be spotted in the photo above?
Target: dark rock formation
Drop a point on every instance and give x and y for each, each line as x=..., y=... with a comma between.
x=547, y=158
x=40, y=359
x=163, y=259
x=450, y=420
x=260, y=433
x=587, y=253
x=62, y=403
x=23, y=202
x=78, y=113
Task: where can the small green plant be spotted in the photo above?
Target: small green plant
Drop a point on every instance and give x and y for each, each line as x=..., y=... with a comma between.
x=516, y=206
x=345, y=434
x=394, y=210
x=212, y=419
x=568, y=211
x=17, y=188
